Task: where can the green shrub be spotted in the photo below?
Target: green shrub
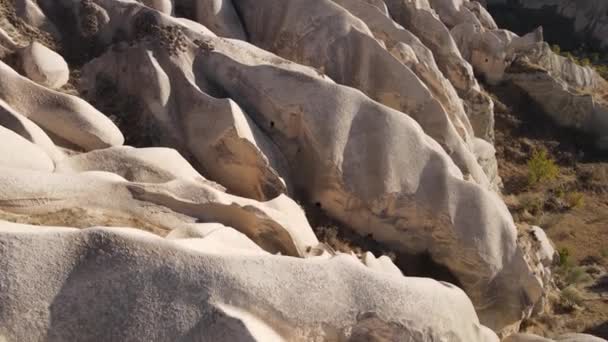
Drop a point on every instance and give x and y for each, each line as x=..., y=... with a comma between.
x=532, y=204
x=564, y=256
x=541, y=168
x=575, y=199
x=570, y=296
x=585, y=62
x=576, y=275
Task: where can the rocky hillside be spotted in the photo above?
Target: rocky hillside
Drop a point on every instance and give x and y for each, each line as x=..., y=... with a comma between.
x=568, y=22
x=234, y=170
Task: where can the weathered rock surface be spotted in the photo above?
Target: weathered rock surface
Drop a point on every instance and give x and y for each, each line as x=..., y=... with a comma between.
x=164, y=6
x=277, y=226
x=572, y=95
x=344, y=48
x=17, y=152
x=368, y=110
x=589, y=18
x=563, y=338
x=29, y=130
x=67, y=117
x=202, y=296
x=420, y=18
x=44, y=66
x=146, y=165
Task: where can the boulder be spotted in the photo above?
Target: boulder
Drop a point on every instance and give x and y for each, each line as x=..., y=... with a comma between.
x=546, y=251
x=68, y=118
x=44, y=66
x=122, y=284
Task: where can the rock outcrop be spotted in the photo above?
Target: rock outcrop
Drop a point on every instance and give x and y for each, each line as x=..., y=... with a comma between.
x=368, y=111
x=588, y=19
x=124, y=284
x=562, y=338
x=44, y=66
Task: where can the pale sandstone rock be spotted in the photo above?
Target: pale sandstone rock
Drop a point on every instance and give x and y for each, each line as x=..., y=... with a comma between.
x=219, y=16
x=571, y=95
x=562, y=338
x=491, y=51
x=343, y=47
x=164, y=6
x=210, y=297
x=215, y=238
x=419, y=17
x=44, y=66
x=408, y=49
x=522, y=337
x=17, y=152
x=277, y=226
x=67, y=117
x=28, y=130
x=229, y=147
x=578, y=338
x=145, y=165
x=356, y=165
x=546, y=251
x=381, y=264
x=7, y=44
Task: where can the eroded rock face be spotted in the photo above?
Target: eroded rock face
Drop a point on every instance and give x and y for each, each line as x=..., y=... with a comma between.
x=67, y=117
x=577, y=94
x=562, y=338
x=344, y=48
x=586, y=18
x=199, y=294
x=422, y=20
x=216, y=132
x=44, y=66
x=367, y=109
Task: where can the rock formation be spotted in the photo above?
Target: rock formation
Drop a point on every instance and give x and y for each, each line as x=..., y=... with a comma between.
x=586, y=19
x=368, y=111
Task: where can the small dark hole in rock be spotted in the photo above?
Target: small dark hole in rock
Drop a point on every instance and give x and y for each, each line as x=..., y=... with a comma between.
x=271, y=124
x=318, y=204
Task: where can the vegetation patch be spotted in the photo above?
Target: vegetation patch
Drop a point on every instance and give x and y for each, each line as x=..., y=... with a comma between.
x=541, y=168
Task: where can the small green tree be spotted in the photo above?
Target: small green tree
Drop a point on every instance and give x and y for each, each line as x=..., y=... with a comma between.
x=541, y=168
x=564, y=255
